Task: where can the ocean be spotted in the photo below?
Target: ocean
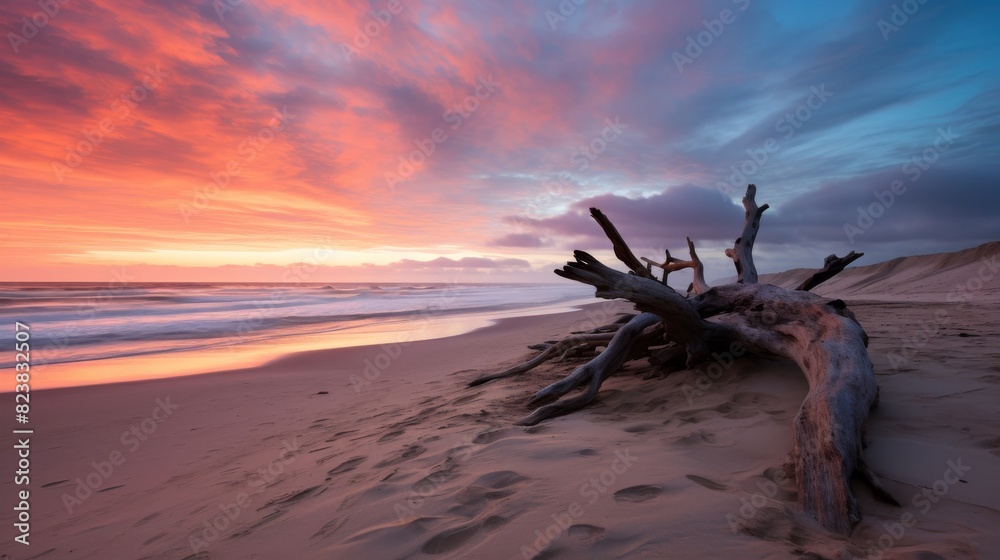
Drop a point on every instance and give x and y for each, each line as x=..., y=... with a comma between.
x=84, y=334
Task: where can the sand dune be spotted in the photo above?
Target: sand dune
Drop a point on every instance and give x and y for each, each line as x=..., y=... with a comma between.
x=916, y=278
x=294, y=460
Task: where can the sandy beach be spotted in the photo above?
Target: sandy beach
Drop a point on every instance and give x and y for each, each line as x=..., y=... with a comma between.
x=312, y=456
x=276, y=276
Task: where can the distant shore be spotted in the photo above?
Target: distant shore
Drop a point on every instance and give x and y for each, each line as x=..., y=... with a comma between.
x=88, y=335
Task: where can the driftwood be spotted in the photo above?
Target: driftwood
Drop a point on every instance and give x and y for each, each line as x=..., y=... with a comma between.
x=742, y=251
x=823, y=337
x=832, y=266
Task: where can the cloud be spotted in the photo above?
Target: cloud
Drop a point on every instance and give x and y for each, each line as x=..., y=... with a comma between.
x=359, y=116
x=523, y=240
x=667, y=217
x=941, y=203
x=464, y=263
x=941, y=208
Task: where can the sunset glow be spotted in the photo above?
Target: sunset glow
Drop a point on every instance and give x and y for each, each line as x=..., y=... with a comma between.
x=230, y=140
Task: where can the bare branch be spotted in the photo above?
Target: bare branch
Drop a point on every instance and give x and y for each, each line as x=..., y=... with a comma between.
x=622, y=250
x=548, y=353
x=698, y=285
x=832, y=266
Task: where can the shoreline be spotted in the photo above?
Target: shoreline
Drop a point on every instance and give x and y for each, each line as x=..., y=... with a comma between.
x=239, y=357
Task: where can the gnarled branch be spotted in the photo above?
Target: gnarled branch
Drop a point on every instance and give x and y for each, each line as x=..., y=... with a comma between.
x=673, y=264
x=594, y=372
x=832, y=266
x=622, y=250
x=552, y=351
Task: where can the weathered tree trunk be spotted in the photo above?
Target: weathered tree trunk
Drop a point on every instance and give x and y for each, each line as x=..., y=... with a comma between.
x=742, y=251
x=823, y=337
x=829, y=345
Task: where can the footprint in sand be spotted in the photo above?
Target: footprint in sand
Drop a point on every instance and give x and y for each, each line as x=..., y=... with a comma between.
x=153, y=539
x=692, y=416
x=391, y=435
x=472, y=501
x=434, y=479
x=330, y=527
x=260, y=523
x=698, y=437
x=347, y=466
x=342, y=434
x=640, y=428
x=146, y=519
x=499, y=479
x=710, y=484
x=452, y=538
x=490, y=436
x=735, y=411
x=478, y=495
x=586, y=533
x=296, y=496
x=465, y=399
x=639, y=493
x=317, y=450
x=654, y=404
x=405, y=455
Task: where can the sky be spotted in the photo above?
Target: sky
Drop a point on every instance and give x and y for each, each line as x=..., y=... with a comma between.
x=406, y=140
